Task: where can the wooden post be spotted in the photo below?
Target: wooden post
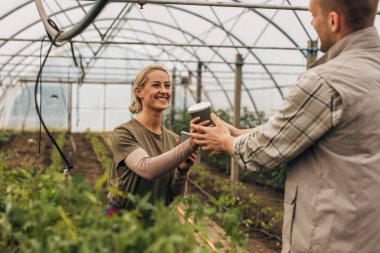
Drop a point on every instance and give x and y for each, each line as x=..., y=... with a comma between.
x=104, y=107
x=199, y=82
x=70, y=106
x=172, y=108
x=185, y=87
x=312, y=52
x=199, y=99
x=237, y=105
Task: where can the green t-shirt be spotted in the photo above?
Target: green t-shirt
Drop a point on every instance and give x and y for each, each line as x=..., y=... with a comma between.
x=125, y=139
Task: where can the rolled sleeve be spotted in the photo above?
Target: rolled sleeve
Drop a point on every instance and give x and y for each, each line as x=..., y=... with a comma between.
x=305, y=115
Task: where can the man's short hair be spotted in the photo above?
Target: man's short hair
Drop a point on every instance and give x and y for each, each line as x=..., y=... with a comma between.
x=358, y=13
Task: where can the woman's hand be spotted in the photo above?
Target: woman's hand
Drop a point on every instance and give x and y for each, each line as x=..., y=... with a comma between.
x=188, y=162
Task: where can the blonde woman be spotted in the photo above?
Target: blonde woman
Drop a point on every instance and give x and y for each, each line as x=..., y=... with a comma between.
x=146, y=159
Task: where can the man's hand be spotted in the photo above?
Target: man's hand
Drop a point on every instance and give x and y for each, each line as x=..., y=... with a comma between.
x=216, y=138
x=192, y=122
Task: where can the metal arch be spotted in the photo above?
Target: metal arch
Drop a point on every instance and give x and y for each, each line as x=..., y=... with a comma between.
x=232, y=35
x=285, y=34
x=15, y=9
x=299, y=20
x=192, y=36
x=254, y=55
x=118, y=21
x=196, y=56
x=258, y=59
x=194, y=52
x=27, y=27
x=82, y=24
x=252, y=101
x=152, y=35
x=280, y=29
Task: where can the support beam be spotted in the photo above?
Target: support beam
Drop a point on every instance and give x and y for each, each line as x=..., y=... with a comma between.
x=214, y=4
x=142, y=3
x=199, y=82
x=155, y=60
x=172, y=107
x=237, y=106
x=312, y=54
x=147, y=43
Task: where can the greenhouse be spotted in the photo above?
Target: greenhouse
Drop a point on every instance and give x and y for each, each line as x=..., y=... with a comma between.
x=67, y=74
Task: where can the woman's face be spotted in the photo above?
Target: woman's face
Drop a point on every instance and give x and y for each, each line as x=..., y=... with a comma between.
x=157, y=91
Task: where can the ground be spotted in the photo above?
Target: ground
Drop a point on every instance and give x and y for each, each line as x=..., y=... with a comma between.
x=22, y=151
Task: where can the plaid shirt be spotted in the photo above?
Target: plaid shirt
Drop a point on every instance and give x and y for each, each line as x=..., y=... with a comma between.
x=310, y=109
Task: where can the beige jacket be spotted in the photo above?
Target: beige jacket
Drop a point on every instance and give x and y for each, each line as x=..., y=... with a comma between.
x=332, y=193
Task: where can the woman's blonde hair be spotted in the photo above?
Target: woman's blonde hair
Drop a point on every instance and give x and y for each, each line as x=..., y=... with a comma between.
x=140, y=80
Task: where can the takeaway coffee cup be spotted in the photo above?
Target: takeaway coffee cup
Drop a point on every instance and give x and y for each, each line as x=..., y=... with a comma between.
x=202, y=110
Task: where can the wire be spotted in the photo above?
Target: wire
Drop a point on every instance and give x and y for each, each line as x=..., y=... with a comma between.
x=40, y=127
x=69, y=166
x=73, y=53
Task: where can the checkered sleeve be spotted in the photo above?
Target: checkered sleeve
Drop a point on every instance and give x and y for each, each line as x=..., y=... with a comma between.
x=308, y=111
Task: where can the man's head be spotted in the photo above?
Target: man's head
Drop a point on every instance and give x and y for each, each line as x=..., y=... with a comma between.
x=334, y=19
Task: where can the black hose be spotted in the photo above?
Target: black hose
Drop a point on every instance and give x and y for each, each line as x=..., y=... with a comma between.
x=69, y=166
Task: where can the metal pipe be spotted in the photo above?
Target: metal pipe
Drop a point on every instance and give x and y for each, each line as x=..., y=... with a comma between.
x=159, y=60
x=214, y=4
x=77, y=29
x=139, y=43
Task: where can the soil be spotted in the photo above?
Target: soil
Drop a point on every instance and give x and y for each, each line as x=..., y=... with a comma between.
x=83, y=158
x=22, y=151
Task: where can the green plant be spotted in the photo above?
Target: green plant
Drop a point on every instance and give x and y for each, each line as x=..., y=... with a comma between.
x=254, y=214
x=52, y=212
x=181, y=121
x=104, y=156
x=5, y=137
x=55, y=157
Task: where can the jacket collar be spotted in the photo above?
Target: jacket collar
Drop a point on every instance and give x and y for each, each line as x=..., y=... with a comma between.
x=364, y=38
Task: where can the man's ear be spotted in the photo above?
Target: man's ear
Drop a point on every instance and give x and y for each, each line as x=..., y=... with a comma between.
x=335, y=21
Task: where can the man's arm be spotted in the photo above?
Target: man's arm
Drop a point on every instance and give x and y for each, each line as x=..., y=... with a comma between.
x=309, y=110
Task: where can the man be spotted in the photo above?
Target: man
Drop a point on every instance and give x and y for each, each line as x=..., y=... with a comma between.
x=329, y=129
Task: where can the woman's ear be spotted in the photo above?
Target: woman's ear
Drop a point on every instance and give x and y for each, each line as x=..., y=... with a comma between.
x=138, y=92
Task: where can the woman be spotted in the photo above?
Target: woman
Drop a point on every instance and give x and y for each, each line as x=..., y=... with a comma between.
x=146, y=159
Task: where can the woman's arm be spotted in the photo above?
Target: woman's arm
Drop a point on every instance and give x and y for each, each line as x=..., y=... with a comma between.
x=179, y=184
x=154, y=167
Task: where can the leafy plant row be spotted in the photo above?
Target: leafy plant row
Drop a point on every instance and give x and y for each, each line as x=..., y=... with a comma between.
x=236, y=196
x=46, y=211
x=230, y=221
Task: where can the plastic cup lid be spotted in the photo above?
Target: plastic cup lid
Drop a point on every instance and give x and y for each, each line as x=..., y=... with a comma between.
x=199, y=107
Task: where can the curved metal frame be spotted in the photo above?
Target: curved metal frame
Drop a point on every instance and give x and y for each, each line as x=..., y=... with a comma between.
x=203, y=42
x=77, y=29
